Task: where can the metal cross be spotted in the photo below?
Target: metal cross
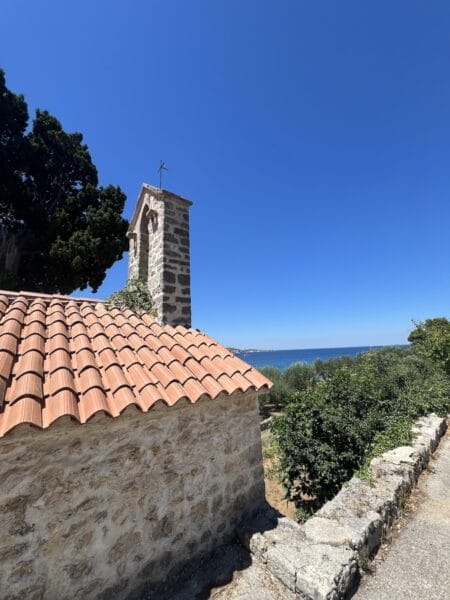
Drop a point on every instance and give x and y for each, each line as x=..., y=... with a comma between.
x=162, y=167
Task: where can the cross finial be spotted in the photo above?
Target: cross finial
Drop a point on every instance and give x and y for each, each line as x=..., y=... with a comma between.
x=162, y=167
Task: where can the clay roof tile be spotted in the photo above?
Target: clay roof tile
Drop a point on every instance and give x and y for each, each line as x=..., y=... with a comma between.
x=180, y=353
x=148, y=358
x=25, y=384
x=25, y=410
x=35, y=327
x=140, y=377
x=194, y=390
x=107, y=357
x=162, y=374
x=228, y=384
x=63, y=403
x=167, y=340
x=58, y=380
x=8, y=342
x=212, y=386
x=6, y=363
x=11, y=327
x=88, y=378
x=114, y=378
x=123, y=397
x=173, y=392
x=58, y=342
x=58, y=360
x=242, y=383
x=93, y=401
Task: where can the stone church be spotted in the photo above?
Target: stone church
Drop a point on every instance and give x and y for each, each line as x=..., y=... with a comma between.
x=130, y=445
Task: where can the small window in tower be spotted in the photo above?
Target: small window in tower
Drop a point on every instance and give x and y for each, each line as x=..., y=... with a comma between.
x=153, y=215
x=143, y=245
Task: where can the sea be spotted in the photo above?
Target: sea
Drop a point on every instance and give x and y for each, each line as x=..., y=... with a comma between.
x=281, y=359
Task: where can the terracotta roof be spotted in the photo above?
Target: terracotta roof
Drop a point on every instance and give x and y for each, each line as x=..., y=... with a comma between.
x=65, y=356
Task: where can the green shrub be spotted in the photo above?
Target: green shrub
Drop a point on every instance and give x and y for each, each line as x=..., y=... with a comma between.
x=319, y=445
x=272, y=373
x=431, y=340
x=280, y=393
x=346, y=412
x=299, y=377
x=397, y=433
x=324, y=369
x=135, y=296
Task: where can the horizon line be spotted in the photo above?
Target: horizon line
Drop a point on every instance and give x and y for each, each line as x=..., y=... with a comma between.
x=318, y=348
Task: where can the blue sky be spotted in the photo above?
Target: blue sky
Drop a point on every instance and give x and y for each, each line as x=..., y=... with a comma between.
x=312, y=137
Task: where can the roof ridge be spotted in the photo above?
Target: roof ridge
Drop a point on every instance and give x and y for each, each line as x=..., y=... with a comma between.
x=12, y=294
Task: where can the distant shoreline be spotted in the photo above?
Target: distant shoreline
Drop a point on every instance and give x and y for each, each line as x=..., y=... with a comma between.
x=247, y=350
x=374, y=347
x=282, y=359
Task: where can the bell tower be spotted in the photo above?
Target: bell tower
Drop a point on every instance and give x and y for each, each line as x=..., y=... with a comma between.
x=160, y=252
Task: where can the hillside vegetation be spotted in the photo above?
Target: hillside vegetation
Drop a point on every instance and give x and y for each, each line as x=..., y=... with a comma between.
x=338, y=414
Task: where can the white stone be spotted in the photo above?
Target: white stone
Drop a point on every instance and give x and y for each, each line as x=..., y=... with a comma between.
x=326, y=531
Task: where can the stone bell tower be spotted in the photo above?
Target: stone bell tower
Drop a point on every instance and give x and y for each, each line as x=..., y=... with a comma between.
x=159, y=252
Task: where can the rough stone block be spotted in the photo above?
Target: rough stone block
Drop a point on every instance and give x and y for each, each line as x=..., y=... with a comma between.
x=313, y=570
x=406, y=459
x=282, y=563
x=326, y=572
x=432, y=426
x=362, y=527
x=327, y=531
x=384, y=469
x=184, y=279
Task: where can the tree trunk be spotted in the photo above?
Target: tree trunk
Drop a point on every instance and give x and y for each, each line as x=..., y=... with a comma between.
x=10, y=244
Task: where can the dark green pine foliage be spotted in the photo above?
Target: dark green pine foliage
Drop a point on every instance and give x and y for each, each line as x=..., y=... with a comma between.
x=59, y=230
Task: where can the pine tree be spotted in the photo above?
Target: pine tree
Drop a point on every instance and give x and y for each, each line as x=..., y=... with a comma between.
x=59, y=230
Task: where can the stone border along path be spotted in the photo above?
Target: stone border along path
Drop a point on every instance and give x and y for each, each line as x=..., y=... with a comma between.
x=415, y=563
x=322, y=559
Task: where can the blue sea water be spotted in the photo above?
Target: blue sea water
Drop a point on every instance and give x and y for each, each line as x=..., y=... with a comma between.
x=284, y=358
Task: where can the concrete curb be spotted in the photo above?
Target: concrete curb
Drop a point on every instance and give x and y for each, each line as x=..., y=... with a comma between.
x=321, y=560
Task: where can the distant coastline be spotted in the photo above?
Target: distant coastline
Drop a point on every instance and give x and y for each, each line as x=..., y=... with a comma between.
x=246, y=350
x=282, y=359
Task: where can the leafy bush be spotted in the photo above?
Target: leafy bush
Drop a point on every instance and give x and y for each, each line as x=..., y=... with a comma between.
x=324, y=369
x=296, y=378
x=397, y=433
x=272, y=373
x=280, y=393
x=339, y=413
x=135, y=296
x=319, y=446
x=299, y=377
x=431, y=340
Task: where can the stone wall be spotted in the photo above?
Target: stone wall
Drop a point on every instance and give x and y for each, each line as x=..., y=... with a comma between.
x=323, y=558
x=98, y=510
x=160, y=253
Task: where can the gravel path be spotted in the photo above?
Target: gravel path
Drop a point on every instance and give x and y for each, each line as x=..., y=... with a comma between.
x=417, y=564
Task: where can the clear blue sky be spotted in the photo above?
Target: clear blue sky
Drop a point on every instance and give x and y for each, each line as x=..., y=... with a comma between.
x=312, y=136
